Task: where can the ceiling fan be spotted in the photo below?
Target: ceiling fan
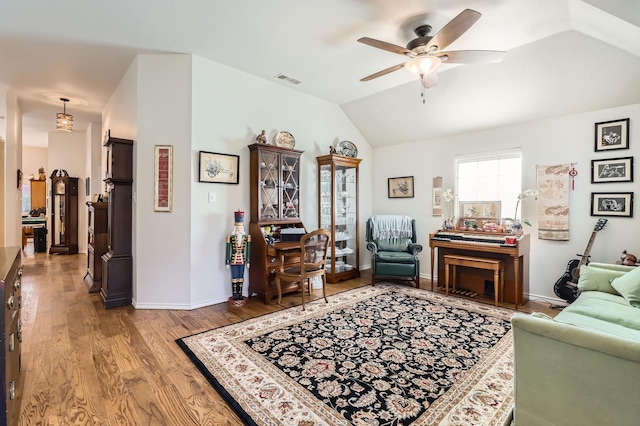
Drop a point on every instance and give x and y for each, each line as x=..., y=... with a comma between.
x=425, y=52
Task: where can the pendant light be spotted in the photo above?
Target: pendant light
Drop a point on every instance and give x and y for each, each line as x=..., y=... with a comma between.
x=64, y=121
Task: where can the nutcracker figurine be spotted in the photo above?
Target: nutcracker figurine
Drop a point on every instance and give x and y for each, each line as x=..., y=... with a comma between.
x=237, y=256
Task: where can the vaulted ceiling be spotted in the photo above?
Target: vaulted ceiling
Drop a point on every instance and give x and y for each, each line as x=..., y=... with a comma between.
x=563, y=56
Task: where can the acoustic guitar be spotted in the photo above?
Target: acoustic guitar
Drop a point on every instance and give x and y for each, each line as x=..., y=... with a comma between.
x=566, y=287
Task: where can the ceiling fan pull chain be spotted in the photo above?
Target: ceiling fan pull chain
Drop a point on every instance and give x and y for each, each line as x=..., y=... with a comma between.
x=422, y=93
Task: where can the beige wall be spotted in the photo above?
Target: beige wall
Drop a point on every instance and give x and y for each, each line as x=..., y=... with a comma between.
x=33, y=159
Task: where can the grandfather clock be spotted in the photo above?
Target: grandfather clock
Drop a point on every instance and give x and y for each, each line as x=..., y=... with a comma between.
x=117, y=262
x=64, y=213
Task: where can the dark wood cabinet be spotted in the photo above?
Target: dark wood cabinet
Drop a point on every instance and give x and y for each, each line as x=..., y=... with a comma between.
x=96, y=244
x=10, y=334
x=338, y=212
x=64, y=213
x=117, y=262
x=275, y=213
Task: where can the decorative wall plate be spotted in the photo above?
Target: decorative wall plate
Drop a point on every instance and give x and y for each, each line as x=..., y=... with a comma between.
x=285, y=140
x=347, y=148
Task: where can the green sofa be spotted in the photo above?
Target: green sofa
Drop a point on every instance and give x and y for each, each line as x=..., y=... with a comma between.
x=582, y=367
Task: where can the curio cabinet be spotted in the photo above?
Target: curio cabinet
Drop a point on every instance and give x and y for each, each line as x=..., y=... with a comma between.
x=338, y=212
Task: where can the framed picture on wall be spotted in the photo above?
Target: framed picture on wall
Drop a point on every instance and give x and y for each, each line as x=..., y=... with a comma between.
x=618, y=204
x=400, y=187
x=163, y=179
x=612, y=135
x=218, y=168
x=612, y=170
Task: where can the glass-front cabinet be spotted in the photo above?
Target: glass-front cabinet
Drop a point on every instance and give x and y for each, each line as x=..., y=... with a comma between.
x=275, y=213
x=276, y=182
x=338, y=212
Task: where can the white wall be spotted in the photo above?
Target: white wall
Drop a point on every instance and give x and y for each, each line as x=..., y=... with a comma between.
x=198, y=105
x=229, y=109
x=11, y=220
x=163, y=250
x=561, y=140
x=68, y=151
x=94, y=160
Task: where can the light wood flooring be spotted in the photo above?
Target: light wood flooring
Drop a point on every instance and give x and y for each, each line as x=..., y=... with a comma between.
x=84, y=365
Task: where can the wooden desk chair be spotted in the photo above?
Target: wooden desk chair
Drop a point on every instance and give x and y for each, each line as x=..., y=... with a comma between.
x=27, y=232
x=312, y=260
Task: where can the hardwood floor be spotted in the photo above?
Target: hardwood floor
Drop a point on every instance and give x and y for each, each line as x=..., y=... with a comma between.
x=84, y=365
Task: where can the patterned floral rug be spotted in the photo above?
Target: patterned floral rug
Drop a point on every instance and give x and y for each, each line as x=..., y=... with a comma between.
x=383, y=355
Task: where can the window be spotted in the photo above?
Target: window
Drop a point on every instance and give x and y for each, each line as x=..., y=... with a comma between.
x=495, y=176
x=26, y=196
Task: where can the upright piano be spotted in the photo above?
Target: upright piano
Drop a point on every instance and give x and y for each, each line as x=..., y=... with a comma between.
x=488, y=245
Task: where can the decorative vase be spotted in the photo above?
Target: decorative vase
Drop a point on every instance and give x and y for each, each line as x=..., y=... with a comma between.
x=516, y=227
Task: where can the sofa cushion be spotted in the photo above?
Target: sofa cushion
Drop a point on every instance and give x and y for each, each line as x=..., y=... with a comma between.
x=393, y=244
x=595, y=278
x=628, y=285
x=604, y=313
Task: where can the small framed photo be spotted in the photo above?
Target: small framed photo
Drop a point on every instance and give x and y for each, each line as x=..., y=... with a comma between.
x=401, y=187
x=612, y=135
x=218, y=168
x=618, y=204
x=163, y=178
x=612, y=170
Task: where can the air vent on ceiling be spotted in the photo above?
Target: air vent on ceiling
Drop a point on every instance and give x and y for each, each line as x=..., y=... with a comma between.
x=287, y=78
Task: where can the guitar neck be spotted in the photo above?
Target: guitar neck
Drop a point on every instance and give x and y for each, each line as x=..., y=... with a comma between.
x=585, y=257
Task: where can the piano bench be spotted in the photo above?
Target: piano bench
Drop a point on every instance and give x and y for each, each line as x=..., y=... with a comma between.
x=495, y=265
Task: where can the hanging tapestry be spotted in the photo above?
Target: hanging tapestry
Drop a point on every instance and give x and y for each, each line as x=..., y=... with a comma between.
x=553, y=202
x=437, y=196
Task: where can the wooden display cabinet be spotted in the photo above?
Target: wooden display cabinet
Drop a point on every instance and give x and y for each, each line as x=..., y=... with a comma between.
x=64, y=213
x=96, y=244
x=38, y=194
x=338, y=212
x=275, y=206
x=117, y=262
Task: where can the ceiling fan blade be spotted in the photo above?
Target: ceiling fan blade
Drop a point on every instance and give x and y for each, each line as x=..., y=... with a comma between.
x=471, y=56
x=430, y=80
x=393, y=48
x=383, y=72
x=454, y=29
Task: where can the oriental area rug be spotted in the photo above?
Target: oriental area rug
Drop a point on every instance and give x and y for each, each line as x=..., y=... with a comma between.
x=383, y=355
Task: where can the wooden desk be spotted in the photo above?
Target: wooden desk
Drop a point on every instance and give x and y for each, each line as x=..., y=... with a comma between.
x=265, y=261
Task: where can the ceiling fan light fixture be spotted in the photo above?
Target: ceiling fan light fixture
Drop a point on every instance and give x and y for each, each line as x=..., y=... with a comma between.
x=422, y=65
x=64, y=121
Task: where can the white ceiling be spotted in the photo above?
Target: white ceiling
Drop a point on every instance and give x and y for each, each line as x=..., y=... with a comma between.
x=564, y=56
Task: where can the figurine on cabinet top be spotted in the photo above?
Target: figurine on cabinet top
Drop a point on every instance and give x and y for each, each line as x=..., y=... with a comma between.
x=262, y=138
x=238, y=253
